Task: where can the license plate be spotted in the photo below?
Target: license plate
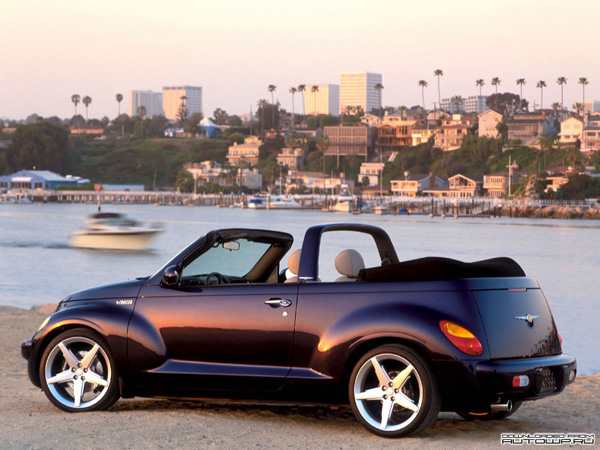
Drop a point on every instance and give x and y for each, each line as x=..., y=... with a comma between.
x=545, y=380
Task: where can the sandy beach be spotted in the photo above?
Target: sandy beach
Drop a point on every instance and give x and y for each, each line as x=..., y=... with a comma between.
x=29, y=421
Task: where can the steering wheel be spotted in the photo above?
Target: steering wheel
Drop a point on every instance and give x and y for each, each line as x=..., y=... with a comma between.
x=221, y=279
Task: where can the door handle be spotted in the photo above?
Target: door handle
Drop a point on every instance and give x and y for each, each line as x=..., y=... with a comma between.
x=277, y=302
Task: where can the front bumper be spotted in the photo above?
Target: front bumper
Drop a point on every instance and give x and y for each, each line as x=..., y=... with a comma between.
x=26, y=348
x=547, y=376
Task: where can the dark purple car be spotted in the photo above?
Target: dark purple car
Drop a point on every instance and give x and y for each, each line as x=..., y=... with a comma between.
x=224, y=319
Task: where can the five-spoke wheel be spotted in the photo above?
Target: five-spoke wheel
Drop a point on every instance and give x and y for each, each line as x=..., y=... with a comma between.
x=77, y=372
x=393, y=393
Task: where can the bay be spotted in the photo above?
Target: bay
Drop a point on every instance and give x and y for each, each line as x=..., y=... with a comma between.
x=38, y=266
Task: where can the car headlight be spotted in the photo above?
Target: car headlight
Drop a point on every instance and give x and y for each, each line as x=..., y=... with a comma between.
x=44, y=323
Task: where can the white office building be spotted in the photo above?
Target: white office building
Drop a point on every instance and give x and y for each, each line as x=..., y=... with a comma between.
x=470, y=104
x=172, y=99
x=324, y=100
x=358, y=89
x=152, y=101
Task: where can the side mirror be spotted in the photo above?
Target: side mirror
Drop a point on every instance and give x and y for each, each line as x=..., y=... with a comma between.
x=231, y=245
x=171, y=276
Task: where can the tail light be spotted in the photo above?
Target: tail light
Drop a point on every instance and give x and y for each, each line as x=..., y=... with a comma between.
x=559, y=338
x=461, y=338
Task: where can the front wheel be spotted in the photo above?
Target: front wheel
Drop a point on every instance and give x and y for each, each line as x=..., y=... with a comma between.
x=77, y=372
x=393, y=392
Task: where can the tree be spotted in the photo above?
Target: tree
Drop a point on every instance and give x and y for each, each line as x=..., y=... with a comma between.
x=322, y=145
x=423, y=85
x=578, y=107
x=583, y=82
x=42, y=145
x=272, y=89
x=119, y=100
x=541, y=85
x=155, y=126
x=302, y=88
x=506, y=103
x=75, y=98
x=502, y=128
x=561, y=82
x=184, y=181
x=293, y=91
x=266, y=113
x=220, y=116
x=521, y=82
x=438, y=73
x=193, y=123
x=480, y=83
x=546, y=142
x=555, y=107
x=496, y=82
x=379, y=88
x=182, y=112
x=457, y=101
x=314, y=89
x=141, y=112
x=86, y=101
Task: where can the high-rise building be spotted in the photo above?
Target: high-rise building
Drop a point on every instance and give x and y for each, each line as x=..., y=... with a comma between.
x=325, y=100
x=152, y=101
x=172, y=98
x=471, y=104
x=358, y=89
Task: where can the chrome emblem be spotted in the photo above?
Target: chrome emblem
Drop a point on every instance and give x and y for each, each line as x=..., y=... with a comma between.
x=528, y=318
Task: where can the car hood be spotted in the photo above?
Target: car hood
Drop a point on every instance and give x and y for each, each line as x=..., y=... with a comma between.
x=124, y=289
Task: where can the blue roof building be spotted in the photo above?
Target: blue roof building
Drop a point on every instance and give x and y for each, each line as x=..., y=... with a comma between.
x=38, y=179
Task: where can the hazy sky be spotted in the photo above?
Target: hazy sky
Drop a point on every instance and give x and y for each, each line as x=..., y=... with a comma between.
x=51, y=49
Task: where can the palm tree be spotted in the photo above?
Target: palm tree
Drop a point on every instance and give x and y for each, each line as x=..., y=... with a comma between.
x=578, y=107
x=457, y=101
x=293, y=91
x=75, y=98
x=480, y=83
x=302, y=88
x=262, y=104
x=438, y=73
x=423, y=85
x=86, y=101
x=272, y=89
x=541, y=85
x=555, y=107
x=314, y=89
x=583, y=82
x=379, y=88
x=496, y=82
x=141, y=112
x=561, y=81
x=119, y=100
x=521, y=82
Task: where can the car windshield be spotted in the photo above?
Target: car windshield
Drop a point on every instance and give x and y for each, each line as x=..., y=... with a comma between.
x=227, y=261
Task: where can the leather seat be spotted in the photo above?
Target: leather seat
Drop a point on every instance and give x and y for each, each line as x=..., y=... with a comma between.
x=293, y=267
x=348, y=263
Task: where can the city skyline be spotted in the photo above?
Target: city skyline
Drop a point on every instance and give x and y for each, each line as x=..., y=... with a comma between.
x=234, y=50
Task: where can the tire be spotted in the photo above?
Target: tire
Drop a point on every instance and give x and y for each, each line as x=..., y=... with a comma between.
x=78, y=372
x=492, y=415
x=393, y=393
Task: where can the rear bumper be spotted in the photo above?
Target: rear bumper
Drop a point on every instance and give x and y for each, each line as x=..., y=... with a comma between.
x=546, y=375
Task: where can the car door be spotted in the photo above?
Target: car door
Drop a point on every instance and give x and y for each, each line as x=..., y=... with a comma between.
x=232, y=336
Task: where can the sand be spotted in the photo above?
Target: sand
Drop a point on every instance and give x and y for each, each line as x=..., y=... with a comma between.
x=29, y=421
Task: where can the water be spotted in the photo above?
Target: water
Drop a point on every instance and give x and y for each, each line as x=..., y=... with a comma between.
x=37, y=265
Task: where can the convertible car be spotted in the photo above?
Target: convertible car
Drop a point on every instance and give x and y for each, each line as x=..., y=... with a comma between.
x=235, y=316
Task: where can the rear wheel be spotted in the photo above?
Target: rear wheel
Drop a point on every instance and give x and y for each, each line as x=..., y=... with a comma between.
x=491, y=415
x=78, y=373
x=393, y=392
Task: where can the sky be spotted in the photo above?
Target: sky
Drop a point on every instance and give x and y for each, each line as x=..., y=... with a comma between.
x=234, y=49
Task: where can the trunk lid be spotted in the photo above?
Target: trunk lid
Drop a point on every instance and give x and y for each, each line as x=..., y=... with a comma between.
x=518, y=323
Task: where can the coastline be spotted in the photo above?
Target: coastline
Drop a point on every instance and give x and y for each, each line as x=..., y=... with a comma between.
x=139, y=423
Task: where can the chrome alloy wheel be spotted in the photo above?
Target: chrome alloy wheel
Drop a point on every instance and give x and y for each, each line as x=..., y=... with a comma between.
x=77, y=372
x=388, y=392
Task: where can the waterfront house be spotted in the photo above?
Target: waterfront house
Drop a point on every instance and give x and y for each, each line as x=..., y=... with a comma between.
x=370, y=171
x=38, y=179
x=211, y=172
x=496, y=184
x=459, y=186
x=590, y=141
x=571, y=130
x=527, y=127
x=414, y=184
x=292, y=157
x=313, y=180
x=450, y=135
x=345, y=141
x=488, y=121
x=246, y=152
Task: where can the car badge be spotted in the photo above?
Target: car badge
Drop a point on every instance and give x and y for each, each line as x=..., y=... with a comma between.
x=528, y=318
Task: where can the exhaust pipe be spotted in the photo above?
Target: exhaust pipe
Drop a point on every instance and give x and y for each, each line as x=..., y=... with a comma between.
x=507, y=407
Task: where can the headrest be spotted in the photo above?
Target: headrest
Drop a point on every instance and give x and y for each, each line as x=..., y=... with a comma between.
x=294, y=262
x=349, y=263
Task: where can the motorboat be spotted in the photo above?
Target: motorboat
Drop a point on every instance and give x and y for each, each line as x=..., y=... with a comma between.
x=282, y=202
x=113, y=231
x=344, y=200
x=259, y=201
